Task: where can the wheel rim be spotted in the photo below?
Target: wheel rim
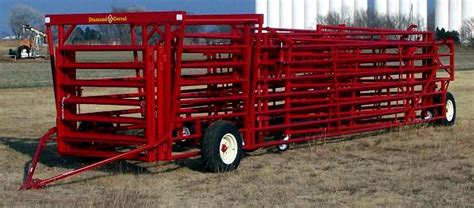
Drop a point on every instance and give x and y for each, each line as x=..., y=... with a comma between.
x=186, y=131
x=428, y=115
x=228, y=148
x=284, y=146
x=449, y=110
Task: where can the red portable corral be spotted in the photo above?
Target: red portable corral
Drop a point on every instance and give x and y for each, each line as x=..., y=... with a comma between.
x=177, y=92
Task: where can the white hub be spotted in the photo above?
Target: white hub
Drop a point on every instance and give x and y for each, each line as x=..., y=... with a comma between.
x=186, y=131
x=449, y=110
x=283, y=147
x=428, y=115
x=228, y=148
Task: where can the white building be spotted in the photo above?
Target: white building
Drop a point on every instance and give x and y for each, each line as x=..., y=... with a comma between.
x=299, y=14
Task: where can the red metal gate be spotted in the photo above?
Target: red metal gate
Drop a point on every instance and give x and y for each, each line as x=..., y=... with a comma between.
x=156, y=94
x=340, y=80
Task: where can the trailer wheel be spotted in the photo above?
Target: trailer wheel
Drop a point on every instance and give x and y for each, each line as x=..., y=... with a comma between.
x=221, y=147
x=187, y=130
x=450, y=116
x=89, y=126
x=428, y=114
x=284, y=147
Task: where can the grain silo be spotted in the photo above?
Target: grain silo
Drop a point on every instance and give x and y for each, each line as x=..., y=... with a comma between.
x=322, y=8
x=467, y=10
x=298, y=14
x=422, y=6
x=347, y=8
x=335, y=6
x=273, y=13
x=455, y=15
x=286, y=16
x=380, y=7
x=310, y=14
x=393, y=8
x=360, y=5
x=442, y=14
x=405, y=8
x=261, y=8
x=414, y=10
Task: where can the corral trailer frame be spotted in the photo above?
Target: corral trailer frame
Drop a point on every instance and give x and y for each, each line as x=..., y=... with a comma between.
x=183, y=92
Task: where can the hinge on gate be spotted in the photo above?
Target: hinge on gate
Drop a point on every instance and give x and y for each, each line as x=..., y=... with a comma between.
x=62, y=105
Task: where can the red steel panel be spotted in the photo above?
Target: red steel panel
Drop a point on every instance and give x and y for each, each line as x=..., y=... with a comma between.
x=271, y=83
x=136, y=18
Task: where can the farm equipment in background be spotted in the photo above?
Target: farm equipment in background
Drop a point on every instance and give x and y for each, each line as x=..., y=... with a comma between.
x=30, y=45
x=254, y=87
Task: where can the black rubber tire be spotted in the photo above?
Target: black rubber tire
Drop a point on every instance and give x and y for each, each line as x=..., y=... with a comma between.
x=85, y=126
x=88, y=126
x=444, y=121
x=210, y=145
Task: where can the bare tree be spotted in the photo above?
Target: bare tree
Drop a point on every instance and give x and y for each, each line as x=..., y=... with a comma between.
x=119, y=34
x=369, y=19
x=24, y=15
x=334, y=18
x=467, y=32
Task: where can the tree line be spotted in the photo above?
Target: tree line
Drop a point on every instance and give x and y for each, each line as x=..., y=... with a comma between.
x=120, y=34
x=110, y=34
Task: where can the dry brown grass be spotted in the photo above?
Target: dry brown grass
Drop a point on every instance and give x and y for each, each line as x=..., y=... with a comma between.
x=5, y=44
x=463, y=58
x=418, y=166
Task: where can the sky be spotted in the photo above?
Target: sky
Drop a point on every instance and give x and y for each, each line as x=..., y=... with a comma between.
x=90, y=6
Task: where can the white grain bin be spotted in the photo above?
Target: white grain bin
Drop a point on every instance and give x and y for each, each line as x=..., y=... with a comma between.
x=455, y=15
x=393, y=8
x=360, y=5
x=322, y=8
x=380, y=7
x=310, y=14
x=347, y=8
x=286, y=15
x=414, y=10
x=405, y=8
x=442, y=14
x=335, y=6
x=422, y=6
x=467, y=10
x=261, y=8
x=273, y=10
x=298, y=14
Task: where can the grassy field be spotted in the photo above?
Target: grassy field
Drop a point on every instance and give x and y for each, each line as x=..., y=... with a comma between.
x=418, y=166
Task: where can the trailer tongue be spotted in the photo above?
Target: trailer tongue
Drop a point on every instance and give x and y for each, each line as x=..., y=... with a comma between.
x=177, y=92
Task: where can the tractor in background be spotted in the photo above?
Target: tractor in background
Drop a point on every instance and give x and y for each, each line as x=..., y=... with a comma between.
x=31, y=44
